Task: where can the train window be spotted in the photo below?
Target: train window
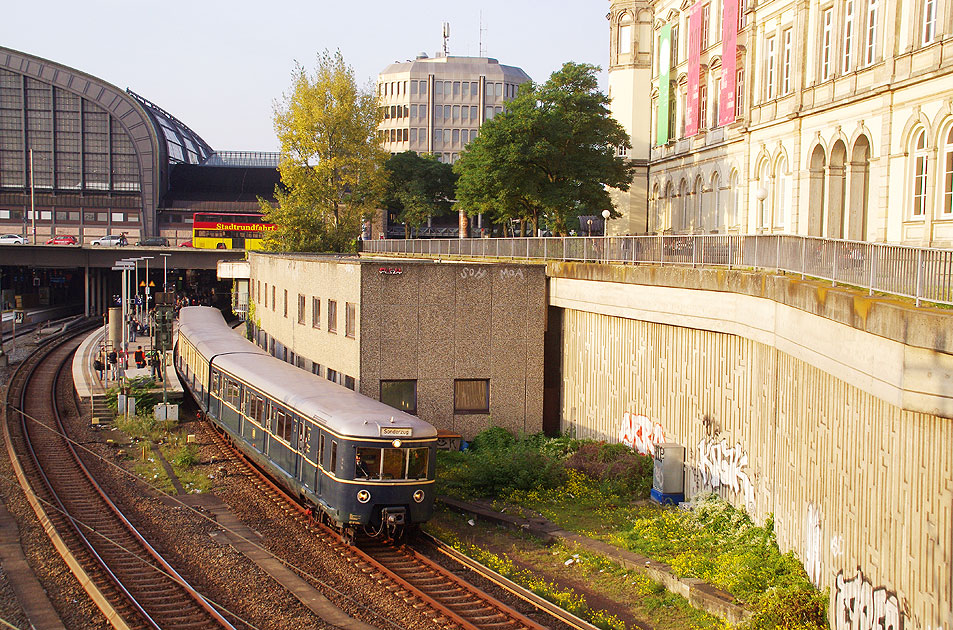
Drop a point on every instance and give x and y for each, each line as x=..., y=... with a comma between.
x=334, y=456
x=417, y=463
x=304, y=438
x=260, y=411
x=321, y=449
x=216, y=384
x=288, y=430
x=393, y=467
x=367, y=463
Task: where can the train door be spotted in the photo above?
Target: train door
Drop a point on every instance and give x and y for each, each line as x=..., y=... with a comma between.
x=319, y=478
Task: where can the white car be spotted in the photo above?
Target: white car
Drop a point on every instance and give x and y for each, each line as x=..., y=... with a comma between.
x=12, y=239
x=110, y=240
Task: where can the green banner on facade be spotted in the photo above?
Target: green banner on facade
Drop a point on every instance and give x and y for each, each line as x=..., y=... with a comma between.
x=665, y=66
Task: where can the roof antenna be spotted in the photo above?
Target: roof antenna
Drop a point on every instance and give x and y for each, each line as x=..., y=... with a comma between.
x=482, y=31
x=446, y=39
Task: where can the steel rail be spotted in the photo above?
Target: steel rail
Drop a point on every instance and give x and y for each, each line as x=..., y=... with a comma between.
x=185, y=592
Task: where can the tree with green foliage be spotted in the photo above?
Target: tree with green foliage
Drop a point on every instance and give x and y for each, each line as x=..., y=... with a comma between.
x=550, y=157
x=418, y=187
x=330, y=159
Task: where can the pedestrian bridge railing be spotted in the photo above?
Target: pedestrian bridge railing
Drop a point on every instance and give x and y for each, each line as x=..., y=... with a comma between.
x=923, y=274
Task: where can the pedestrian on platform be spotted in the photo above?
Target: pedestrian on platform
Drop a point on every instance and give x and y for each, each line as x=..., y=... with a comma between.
x=140, y=357
x=112, y=358
x=99, y=367
x=154, y=363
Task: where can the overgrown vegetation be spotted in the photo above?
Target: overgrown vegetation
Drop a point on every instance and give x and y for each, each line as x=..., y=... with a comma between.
x=599, y=490
x=144, y=431
x=141, y=388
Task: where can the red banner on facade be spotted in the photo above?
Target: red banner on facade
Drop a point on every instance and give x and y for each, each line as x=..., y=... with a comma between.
x=694, y=68
x=729, y=62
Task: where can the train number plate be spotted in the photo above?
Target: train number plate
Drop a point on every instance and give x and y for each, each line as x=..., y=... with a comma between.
x=396, y=432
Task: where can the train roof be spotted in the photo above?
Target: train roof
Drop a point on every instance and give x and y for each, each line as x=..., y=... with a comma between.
x=340, y=409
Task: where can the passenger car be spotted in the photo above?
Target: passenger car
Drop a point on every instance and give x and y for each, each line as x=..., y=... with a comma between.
x=110, y=240
x=12, y=239
x=186, y=244
x=153, y=241
x=362, y=465
x=62, y=239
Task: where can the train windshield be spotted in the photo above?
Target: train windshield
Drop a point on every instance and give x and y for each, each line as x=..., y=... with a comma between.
x=391, y=463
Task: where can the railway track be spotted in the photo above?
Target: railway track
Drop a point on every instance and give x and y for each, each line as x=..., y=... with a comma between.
x=127, y=578
x=450, y=601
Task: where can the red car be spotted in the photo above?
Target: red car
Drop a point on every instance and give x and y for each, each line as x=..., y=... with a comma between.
x=186, y=244
x=62, y=239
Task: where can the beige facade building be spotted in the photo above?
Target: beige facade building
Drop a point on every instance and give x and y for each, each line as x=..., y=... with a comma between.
x=460, y=345
x=817, y=118
x=437, y=105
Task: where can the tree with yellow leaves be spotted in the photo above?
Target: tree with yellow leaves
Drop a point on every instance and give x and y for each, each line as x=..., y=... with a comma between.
x=330, y=159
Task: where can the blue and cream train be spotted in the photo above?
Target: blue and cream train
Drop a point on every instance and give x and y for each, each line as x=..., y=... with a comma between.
x=364, y=465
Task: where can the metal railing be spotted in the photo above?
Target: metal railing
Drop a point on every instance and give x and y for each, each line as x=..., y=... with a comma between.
x=923, y=274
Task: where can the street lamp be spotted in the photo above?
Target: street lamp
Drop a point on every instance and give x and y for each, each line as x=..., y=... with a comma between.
x=761, y=194
x=605, y=226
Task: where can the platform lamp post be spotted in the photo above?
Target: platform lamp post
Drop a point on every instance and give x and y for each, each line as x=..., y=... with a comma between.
x=125, y=266
x=165, y=273
x=760, y=194
x=605, y=231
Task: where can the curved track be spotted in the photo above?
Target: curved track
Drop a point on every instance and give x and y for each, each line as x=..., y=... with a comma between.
x=452, y=601
x=133, y=585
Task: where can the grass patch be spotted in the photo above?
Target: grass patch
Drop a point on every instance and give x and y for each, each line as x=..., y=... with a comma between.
x=144, y=431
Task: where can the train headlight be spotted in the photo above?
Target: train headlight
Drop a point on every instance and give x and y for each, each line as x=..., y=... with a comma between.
x=363, y=496
x=395, y=443
x=419, y=496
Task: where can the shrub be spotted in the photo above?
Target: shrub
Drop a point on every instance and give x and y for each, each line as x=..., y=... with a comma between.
x=186, y=457
x=619, y=469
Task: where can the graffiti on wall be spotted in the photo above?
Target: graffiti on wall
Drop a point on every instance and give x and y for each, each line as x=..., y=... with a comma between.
x=813, y=553
x=722, y=465
x=857, y=605
x=640, y=433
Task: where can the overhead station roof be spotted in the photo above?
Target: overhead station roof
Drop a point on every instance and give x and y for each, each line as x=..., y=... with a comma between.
x=183, y=145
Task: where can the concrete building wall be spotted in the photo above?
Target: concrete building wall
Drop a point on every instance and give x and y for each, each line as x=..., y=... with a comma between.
x=426, y=322
x=829, y=412
x=312, y=277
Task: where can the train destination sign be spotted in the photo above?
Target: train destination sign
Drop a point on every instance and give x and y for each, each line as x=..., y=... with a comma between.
x=397, y=432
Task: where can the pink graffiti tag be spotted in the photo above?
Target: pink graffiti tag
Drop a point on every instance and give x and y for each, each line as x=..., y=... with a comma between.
x=640, y=433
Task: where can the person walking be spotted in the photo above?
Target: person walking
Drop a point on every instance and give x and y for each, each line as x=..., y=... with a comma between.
x=140, y=357
x=99, y=367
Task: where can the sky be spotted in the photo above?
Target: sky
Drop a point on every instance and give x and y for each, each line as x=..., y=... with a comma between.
x=220, y=66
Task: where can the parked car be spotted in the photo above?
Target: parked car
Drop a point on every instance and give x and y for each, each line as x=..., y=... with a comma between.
x=154, y=241
x=62, y=239
x=186, y=244
x=110, y=240
x=12, y=239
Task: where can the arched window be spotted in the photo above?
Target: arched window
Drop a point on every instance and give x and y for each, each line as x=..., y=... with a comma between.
x=948, y=175
x=763, y=208
x=698, y=209
x=920, y=166
x=734, y=200
x=625, y=34
x=716, y=214
x=682, y=220
x=782, y=194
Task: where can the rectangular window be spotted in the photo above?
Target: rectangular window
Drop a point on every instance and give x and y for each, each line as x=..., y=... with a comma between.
x=300, y=309
x=438, y=112
x=471, y=396
x=786, y=62
x=400, y=395
x=456, y=89
x=739, y=92
x=870, y=43
x=274, y=300
x=332, y=375
x=948, y=183
x=827, y=28
x=349, y=382
x=674, y=55
x=413, y=88
x=466, y=89
x=266, y=295
x=848, y=35
x=333, y=464
x=769, y=69
x=350, y=319
x=715, y=98
x=920, y=187
x=286, y=303
x=315, y=312
x=929, y=21
x=423, y=88
x=332, y=316
x=321, y=450
x=706, y=21
x=742, y=11
x=702, y=104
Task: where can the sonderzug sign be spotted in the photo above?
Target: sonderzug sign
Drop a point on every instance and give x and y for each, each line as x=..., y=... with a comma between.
x=396, y=432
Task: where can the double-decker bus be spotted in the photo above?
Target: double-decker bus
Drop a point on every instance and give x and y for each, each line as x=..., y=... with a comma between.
x=213, y=230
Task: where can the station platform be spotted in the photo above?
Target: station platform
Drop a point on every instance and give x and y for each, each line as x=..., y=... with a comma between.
x=88, y=383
